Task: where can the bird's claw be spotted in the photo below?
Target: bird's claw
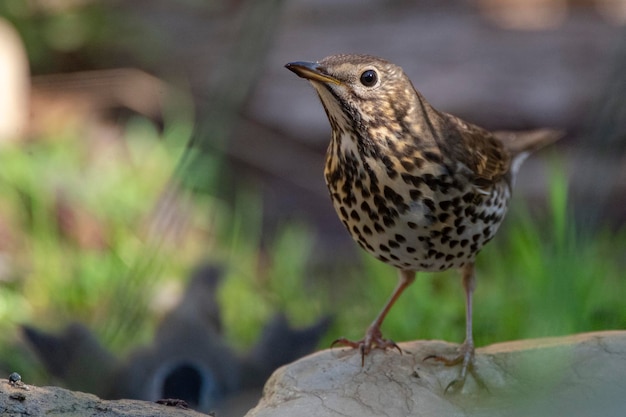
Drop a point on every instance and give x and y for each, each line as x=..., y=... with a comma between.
x=372, y=340
x=464, y=357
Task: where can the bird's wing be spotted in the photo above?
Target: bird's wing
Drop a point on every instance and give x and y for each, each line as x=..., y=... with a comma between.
x=480, y=151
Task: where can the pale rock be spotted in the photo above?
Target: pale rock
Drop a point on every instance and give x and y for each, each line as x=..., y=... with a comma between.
x=579, y=375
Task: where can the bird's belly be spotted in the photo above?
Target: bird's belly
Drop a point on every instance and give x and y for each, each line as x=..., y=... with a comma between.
x=433, y=233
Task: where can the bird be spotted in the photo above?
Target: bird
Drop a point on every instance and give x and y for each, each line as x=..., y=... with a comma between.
x=417, y=188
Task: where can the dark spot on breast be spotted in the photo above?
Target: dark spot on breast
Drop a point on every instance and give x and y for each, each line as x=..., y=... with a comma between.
x=388, y=221
x=391, y=171
x=410, y=249
x=407, y=165
x=403, y=208
x=349, y=199
x=412, y=225
x=468, y=197
x=392, y=196
x=432, y=157
x=355, y=216
x=429, y=203
x=443, y=217
x=460, y=230
x=367, y=230
x=430, y=181
x=379, y=202
x=449, y=258
x=343, y=212
x=399, y=238
x=383, y=248
x=415, y=194
x=412, y=179
x=444, y=205
x=393, y=244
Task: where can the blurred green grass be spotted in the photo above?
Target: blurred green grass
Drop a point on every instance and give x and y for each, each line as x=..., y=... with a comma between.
x=77, y=242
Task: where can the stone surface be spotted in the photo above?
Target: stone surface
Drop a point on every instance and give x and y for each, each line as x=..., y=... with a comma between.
x=579, y=375
x=28, y=400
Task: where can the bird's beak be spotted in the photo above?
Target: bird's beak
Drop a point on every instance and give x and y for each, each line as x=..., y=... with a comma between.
x=311, y=71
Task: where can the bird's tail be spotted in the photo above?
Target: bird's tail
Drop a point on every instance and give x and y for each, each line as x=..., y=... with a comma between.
x=528, y=141
x=522, y=144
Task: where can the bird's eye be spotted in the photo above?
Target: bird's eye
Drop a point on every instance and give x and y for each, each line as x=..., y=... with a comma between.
x=369, y=78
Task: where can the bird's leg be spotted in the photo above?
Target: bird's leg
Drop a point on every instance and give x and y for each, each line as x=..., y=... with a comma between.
x=466, y=350
x=373, y=336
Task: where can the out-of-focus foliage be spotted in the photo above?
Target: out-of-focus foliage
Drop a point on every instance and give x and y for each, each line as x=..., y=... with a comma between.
x=65, y=35
x=79, y=241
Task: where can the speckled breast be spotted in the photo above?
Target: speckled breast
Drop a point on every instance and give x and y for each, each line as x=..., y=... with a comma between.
x=415, y=214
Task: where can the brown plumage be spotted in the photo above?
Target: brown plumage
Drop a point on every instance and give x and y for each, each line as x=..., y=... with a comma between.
x=419, y=189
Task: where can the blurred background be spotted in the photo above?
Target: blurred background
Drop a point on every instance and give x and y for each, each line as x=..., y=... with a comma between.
x=142, y=141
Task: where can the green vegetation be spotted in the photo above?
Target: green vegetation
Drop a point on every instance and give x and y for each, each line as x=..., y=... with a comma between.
x=86, y=235
x=72, y=212
x=60, y=35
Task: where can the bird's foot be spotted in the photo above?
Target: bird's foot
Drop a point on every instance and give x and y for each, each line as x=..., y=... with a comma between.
x=465, y=357
x=373, y=340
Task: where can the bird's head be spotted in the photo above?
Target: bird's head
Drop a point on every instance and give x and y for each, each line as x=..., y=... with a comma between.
x=360, y=89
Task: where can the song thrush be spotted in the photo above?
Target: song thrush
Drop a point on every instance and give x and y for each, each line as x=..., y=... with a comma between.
x=418, y=188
